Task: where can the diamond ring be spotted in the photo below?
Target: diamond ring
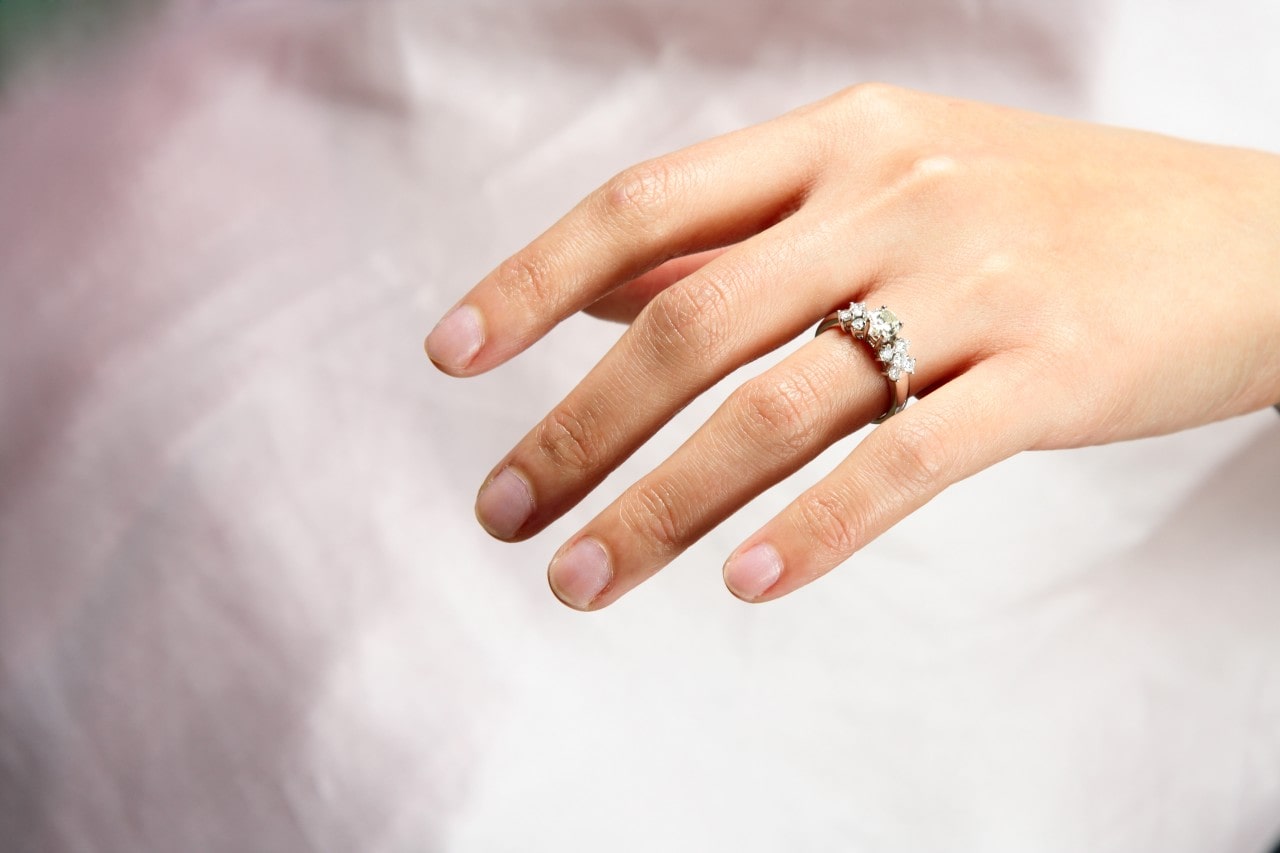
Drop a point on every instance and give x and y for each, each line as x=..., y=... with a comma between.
x=879, y=329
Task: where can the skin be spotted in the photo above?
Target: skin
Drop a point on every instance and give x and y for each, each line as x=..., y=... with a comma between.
x=1062, y=284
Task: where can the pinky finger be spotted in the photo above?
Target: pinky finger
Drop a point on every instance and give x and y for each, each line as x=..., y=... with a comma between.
x=958, y=429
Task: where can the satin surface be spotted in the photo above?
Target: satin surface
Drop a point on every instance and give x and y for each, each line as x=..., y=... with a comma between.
x=244, y=604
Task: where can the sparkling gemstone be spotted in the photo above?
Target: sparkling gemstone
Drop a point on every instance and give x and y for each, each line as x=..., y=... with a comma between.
x=883, y=324
x=859, y=323
x=903, y=363
x=886, y=354
x=894, y=372
x=900, y=345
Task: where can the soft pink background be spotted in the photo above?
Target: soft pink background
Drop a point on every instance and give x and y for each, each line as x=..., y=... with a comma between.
x=244, y=604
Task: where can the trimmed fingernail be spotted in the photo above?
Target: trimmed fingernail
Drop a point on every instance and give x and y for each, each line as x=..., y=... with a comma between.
x=580, y=574
x=456, y=338
x=750, y=574
x=505, y=504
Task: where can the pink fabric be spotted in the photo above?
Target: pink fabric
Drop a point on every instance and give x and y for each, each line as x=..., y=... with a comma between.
x=243, y=601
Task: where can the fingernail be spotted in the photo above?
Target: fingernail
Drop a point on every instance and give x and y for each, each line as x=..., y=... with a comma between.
x=750, y=574
x=505, y=504
x=580, y=574
x=456, y=338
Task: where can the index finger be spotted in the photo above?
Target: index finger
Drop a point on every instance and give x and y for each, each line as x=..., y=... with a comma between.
x=711, y=194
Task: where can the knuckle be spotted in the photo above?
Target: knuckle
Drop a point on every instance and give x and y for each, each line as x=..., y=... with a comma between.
x=691, y=320
x=781, y=416
x=889, y=119
x=932, y=179
x=874, y=97
x=937, y=178
x=641, y=194
x=826, y=520
x=649, y=510
x=570, y=439
x=527, y=277
x=918, y=454
x=932, y=169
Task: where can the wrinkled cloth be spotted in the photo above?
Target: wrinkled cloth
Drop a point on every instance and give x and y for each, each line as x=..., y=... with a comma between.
x=244, y=602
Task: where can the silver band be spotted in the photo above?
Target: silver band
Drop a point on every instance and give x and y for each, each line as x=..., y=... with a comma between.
x=880, y=330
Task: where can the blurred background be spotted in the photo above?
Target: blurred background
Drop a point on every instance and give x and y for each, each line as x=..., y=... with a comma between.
x=244, y=603
x=62, y=28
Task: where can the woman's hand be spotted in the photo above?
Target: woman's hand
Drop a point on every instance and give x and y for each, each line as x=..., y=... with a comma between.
x=1062, y=284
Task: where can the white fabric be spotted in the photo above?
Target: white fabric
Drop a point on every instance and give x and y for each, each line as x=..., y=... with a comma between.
x=244, y=603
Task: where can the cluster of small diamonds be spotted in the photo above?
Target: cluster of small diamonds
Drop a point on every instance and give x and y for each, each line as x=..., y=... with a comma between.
x=880, y=329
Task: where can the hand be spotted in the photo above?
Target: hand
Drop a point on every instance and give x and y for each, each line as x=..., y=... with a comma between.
x=1062, y=284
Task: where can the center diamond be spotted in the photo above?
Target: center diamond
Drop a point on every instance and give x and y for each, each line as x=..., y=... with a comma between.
x=884, y=324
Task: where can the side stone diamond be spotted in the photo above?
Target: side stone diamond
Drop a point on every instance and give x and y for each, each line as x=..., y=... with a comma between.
x=905, y=363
